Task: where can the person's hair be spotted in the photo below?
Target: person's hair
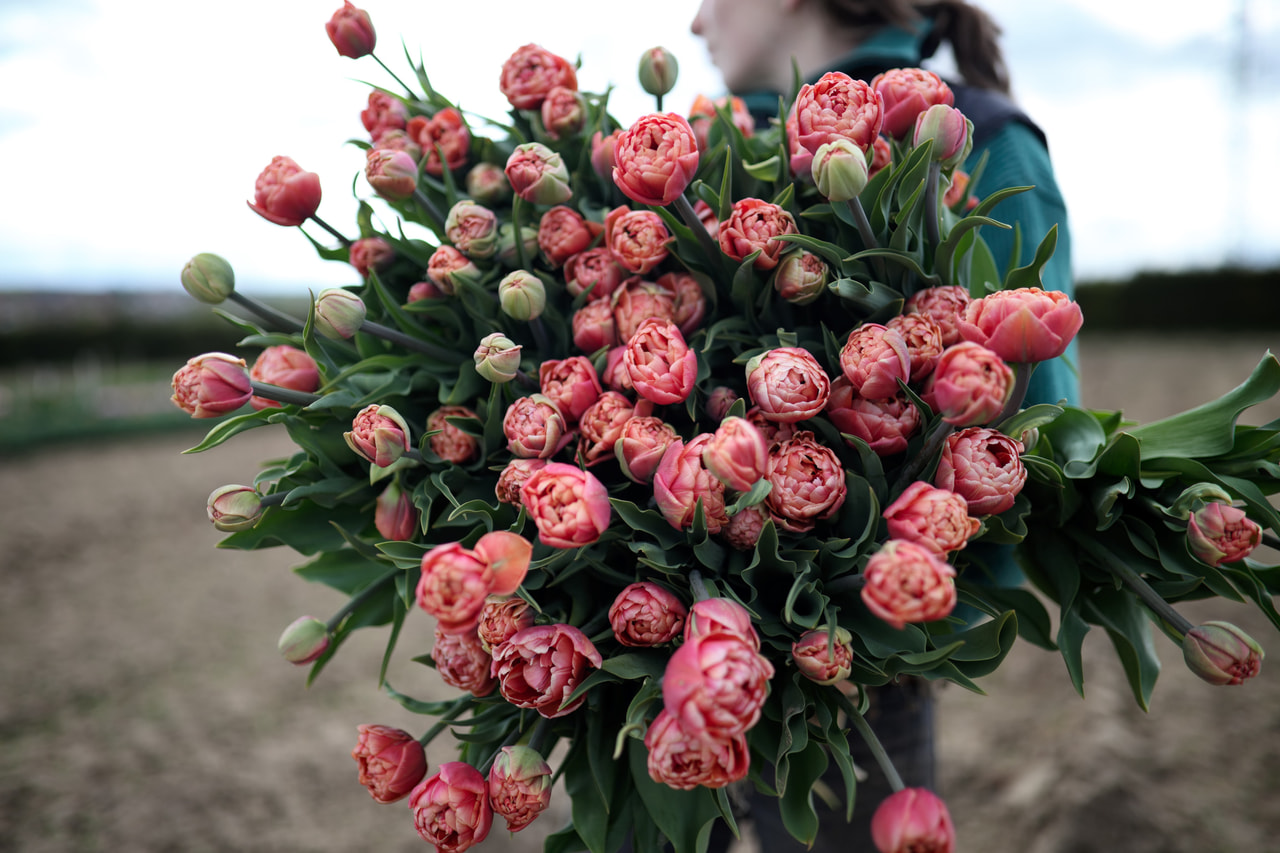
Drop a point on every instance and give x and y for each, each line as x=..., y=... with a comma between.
x=973, y=35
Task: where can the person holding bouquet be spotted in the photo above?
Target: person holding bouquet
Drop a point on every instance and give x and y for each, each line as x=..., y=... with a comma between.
x=760, y=46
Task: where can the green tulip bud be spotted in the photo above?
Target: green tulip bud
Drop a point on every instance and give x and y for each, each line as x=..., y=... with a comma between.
x=658, y=71
x=304, y=640
x=1220, y=653
x=522, y=295
x=234, y=507
x=497, y=358
x=839, y=169
x=209, y=278
x=339, y=313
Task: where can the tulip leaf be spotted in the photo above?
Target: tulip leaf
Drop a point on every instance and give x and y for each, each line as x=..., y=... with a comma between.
x=765, y=170
x=1129, y=629
x=635, y=666
x=796, y=804
x=224, y=430
x=1032, y=275
x=682, y=816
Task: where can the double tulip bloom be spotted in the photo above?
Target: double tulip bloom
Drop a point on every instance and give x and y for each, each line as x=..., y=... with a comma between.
x=285, y=193
x=212, y=385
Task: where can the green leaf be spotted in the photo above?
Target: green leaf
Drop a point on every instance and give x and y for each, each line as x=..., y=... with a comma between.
x=345, y=570
x=1129, y=628
x=1032, y=275
x=636, y=665
x=224, y=430
x=680, y=815
x=796, y=804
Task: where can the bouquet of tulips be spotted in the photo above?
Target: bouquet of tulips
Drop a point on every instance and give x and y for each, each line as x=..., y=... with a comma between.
x=684, y=434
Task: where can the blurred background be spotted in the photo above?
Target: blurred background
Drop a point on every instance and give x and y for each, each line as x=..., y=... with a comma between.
x=142, y=705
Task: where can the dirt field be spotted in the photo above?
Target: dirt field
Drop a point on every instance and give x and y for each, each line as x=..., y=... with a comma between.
x=143, y=706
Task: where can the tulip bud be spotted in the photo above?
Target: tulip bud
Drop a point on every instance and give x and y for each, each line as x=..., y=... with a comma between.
x=351, y=31
x=1220, y=533
x=209, y=278
x=839, y=169
x=304, y=640
x=212, y=384
x=487, y=184
x=234, y=507
x=392, y=174
x=519, y=785
x=339, y=313
x=951, y=132
x=394, y=514
x=801, y=277
x=497, y=358
x=506, y=243
x=658, y=71
x=378, y=434
x=913, y=819
x=1220, y=653
x=522, y=295
x=538, y=175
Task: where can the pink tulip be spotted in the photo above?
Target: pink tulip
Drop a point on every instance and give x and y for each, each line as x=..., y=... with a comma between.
x=646, y=614
x=563, y=233
x=501, y=618
x=737, y=454
x=234, y=507
x=615, y=374
x=512, y=479
x=535, y=428
x=453, y=586
x=594, y=327
x=881, y=156
x=808, y=483
x=685, y=759
x=787, y=384
x=1220, y=653
x=463, y=662
x=487, y=183
x=473, y=231
x=913, y=820
x=569, y=506
x=519, y=786
x=285, y=367
x=752, y=226
x=970, y=385
x=662, y=367
x=538, y=174
x=395, y=139
x=602, y=153
x=304, y=640
x=571, y=384
x=448, y=268
x=637, y=301
x=445, y=133
x=448, y=441
x=423, y=290
x=369, y=254
x=703, y=114
x=391, y=761
x=721, y=616
x=885, y=425
x=936, y=518
x=874, y=358
x=540, y=667
x=563, y=112
x=1023, y=325
x=946, y=305
x=530, y=74
x=984, y=467
x=801, y=277
x=392, y=174
x=351, y=31
x=719, y=401
x=451, y=809
x=641, y=445
x=907, y=582
x=601, y=427
x=681, y=481
x=949, y=131
x=394, y=514
x=907, y=92
x=285, y=194
x=507, y=555
x=821, y=658
x=837, y=107
x=212, y=384
x=655, y=159
x=690, y=303
x=384, y=112
x=378, y=434
x=923, y=336
x=774, y=431
x=594, y=272
x=715, y=684
x=1219, y=533
x=638, y=239
x=742, y=531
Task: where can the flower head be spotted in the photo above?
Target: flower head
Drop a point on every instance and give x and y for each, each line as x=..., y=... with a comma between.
x=391, y=761
x=286, y=194
x=655, y=159
x=211, y=385
x=351, y=31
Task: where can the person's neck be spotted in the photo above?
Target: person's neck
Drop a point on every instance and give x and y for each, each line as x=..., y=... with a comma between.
x=817, y=46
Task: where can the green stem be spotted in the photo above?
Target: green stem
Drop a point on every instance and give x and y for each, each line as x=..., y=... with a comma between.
x=360, y=598
x=540, y=336
x=873, y=743
x=860, y=219
x=266, y=312
x=538, y=740
x=1141, y=588
x=273, y=499
x=437, y=218
x=1021, y=379
x=697, y=585
x=283, y=395
x=1271, y=541
x=516, y=205
x=338, y=235
x=445, y=719
x=412, y=94
x=849, y=583
x=709, y=246
x=931, y=204
x=396, y=336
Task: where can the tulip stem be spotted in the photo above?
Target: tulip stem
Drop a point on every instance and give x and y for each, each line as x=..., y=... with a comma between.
x=516, y=235
x=1141, y=588
x=412, y=94
x=360, y=598
x=849, y=583
x=709, y=246
x=273, y=499
x=1021, y=379
x=540, y=336
x=697, y=585
x=931, y=203
x=437, y=218
x=873, y=743
x=445, y=719
x=288, y=396
x=326, y=226
x=1271, y=541
x=864, y=224
x=266, y=312
x=538, y=740
x=396, y=336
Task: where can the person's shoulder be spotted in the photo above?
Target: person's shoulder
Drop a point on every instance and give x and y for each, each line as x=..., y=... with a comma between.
x=992, y=112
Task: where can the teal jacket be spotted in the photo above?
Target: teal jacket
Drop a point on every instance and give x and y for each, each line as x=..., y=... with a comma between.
x=1018, y=155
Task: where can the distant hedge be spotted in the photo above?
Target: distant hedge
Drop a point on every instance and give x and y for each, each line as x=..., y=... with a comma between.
x=119, y=327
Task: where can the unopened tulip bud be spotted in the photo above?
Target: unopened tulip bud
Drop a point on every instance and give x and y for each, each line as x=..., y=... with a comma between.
x=234, y=507
x=508, y=254
x=304, y=640
x=379, y=434
x=339, y=313
x=209, y=278
x=951, y=132
x=839, y=169
x=498, y=358
x=522, y=295
x=351, y=31
x=719, y=401
x=538, y=175
x=801, y=277
x=1220, y=653
x=487, y=184
x=212, y=384
x=1220, y=533
x=913, y=819
x=519, y=785
x=658, y=71
x=392, y=174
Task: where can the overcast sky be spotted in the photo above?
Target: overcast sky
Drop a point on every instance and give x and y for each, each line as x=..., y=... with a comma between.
x=131, y=137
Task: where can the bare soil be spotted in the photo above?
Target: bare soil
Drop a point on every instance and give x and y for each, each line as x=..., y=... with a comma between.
x=143, y=706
